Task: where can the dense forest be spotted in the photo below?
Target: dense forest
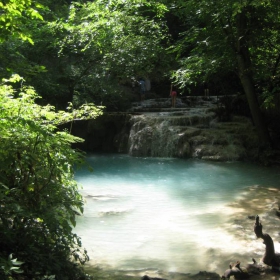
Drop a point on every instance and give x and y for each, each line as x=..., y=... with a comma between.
x=63, y=60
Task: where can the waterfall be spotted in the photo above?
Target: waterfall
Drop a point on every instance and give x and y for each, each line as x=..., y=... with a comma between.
x=192, y=132
x=165, y=135
x=152, y=130
x=153, y=137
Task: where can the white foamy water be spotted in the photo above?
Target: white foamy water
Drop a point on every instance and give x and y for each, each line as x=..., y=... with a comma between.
x=166, y=214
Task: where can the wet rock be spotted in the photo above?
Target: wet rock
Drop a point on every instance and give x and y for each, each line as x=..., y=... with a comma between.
x=157, y=130
x=251, y=217
x=151, y=278
x=237, y=271
x=204, y=275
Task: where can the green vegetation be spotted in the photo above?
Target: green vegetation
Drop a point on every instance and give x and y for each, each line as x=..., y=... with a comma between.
x=87, y=52
x=236, y=40
x=39, y=197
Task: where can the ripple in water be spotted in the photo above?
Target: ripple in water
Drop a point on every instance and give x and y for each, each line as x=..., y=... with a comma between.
x=168, y=214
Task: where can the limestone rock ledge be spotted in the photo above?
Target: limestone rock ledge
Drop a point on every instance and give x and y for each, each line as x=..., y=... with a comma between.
x=157, y=136
x=189, y=132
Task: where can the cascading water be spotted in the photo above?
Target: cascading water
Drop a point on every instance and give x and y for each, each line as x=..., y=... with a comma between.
x=170, y=214
x=150, y=136
x=159, y=135
x=191, y=133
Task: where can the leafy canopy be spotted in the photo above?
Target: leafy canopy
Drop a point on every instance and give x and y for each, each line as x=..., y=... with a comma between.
x=209, y=45
x=14, y=18
x=104, y=42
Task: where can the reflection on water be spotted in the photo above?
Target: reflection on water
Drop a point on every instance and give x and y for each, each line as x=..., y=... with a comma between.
x=166, y=214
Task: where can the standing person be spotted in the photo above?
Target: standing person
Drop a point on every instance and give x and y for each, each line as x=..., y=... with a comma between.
x=147, y=84
x=142, y=89
x=133, y=83
x=173, y=94
x=206, y=90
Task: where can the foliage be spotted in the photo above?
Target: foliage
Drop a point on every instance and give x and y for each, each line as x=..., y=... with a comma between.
x=11, y=266
x=109, y=42
x=232, y=37
x=14, y=16
x=212, y=39
x=39, y=197
x=93, y=45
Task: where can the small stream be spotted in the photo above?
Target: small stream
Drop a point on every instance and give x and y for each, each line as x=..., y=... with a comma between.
x=169, y=214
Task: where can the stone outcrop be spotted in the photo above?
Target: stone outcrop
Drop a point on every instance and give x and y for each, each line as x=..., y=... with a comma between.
x=237, y=271
x=180, y=136
x=102, y=134
x=151, y=128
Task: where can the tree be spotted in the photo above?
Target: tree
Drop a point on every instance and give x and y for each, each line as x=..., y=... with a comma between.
x=228, y=36
x=90, y=53
x=39, y=197
x=15, y=16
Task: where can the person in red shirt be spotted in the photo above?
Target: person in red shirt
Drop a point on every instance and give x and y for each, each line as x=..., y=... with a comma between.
x=173, y=94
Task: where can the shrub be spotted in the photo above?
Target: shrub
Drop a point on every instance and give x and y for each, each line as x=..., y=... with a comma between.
x=39, y=197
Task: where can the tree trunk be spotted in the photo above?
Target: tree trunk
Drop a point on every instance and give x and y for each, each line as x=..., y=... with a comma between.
x=256, y=113
x=269, y=257
x=246, y=77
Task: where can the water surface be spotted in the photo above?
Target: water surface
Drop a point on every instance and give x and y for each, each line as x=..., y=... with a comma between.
x=164, y=213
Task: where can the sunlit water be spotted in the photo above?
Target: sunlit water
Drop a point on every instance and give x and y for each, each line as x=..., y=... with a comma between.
x=168, y=214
